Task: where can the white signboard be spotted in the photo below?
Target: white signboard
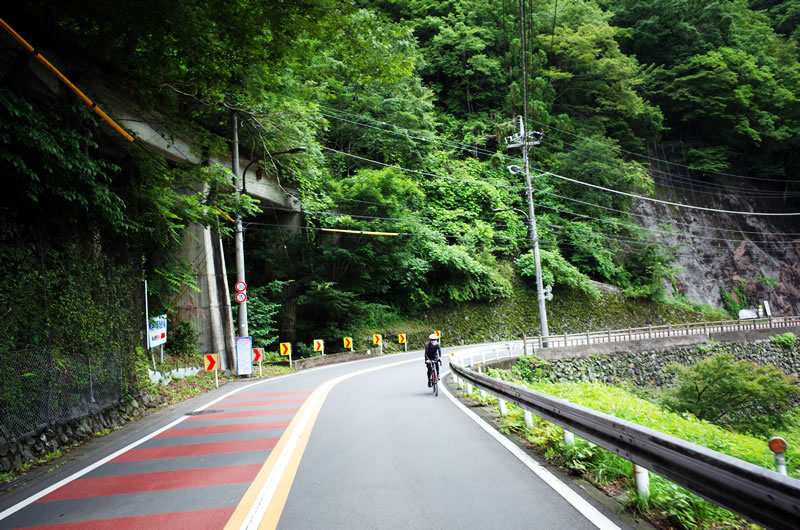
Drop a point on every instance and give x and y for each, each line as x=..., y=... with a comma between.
x=747, y=314
x=157, y=331
x=244, y=355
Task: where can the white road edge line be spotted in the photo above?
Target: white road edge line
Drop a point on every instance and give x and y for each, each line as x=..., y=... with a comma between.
x=577, y=502
x=92, y=467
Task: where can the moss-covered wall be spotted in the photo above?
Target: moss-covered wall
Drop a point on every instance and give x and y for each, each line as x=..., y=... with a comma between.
x=570, y=311
x=649, y=367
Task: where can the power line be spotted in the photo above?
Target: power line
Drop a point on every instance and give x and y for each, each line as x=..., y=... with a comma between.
x=714, y=187
x=677, y=204
x=658, y=159
x=711, y=186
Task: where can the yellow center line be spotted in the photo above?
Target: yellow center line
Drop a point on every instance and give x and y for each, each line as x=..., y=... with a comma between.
x=263, y=502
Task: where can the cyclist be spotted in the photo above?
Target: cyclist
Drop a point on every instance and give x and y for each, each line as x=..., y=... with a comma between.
x=433, y=352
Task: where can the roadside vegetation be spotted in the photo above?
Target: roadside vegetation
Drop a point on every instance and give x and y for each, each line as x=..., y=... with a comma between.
x=730, y=407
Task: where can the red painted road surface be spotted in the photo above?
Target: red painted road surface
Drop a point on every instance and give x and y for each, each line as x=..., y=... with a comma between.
x=190, y=476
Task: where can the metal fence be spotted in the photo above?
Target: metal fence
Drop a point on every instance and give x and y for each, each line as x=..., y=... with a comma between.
x=663, y=331
x=41, y=387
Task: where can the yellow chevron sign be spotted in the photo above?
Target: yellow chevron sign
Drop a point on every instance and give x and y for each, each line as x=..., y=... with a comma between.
x=210, y=361
x=318, y=344
x=286, y=348
x=401, y=338
x=377, y=339
x=348, y=342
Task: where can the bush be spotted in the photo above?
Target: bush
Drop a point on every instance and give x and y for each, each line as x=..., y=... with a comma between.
x=530, y=369
x=728, y=392
x=787, y=340
x=182, y=340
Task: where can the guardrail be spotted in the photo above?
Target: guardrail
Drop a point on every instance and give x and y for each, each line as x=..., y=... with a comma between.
x=763, y=496
x=662, y=331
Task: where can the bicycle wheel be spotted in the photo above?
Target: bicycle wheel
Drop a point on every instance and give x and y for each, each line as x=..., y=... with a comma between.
x=435, y=385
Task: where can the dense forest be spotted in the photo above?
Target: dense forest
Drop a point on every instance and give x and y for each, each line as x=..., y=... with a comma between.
x=403, y=107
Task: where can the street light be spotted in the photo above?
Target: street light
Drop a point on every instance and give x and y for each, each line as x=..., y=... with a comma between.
x=291, y=151
x=239, y=239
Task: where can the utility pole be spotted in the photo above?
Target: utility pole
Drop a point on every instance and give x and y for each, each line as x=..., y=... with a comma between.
x=239, y=239
x=525, y=140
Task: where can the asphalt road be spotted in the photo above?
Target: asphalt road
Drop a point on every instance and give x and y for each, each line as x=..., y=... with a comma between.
x=357, y=445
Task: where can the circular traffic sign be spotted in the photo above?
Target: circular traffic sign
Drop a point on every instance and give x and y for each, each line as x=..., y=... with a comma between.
x=241, y=297
x=241, y=286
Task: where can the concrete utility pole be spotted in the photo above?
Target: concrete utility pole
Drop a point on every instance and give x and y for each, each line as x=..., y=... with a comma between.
x=525, y=140
x=238, y=182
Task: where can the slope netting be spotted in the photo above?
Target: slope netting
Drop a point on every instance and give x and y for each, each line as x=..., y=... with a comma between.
x=41, y=387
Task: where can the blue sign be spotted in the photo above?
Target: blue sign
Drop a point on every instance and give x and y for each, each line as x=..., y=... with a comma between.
x=157, y=332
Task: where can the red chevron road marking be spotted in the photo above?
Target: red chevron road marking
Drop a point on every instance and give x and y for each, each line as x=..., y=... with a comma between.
x=245, y=414
x=272, y=394
x=157, y=481
x=228, y=403
x=194, y=520
x=217, y=429
x=216, y=448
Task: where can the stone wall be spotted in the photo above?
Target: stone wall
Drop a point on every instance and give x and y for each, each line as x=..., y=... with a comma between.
x=649, y=367
x=30, y=450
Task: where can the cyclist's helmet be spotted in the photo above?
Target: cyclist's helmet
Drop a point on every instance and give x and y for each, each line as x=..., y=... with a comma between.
x=433, y=336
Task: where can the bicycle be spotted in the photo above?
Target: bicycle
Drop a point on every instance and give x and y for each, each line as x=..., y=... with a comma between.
x=434, y=378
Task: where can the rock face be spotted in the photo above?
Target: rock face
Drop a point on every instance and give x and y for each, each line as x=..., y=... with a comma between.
x=13, y=455
x=738, y=254
x=649, y=367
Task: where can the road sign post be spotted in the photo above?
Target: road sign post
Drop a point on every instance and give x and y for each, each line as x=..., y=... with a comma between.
x=286, y=349
x=258, y=356
x=401, y=338
x=377, y=340
x=210, y=360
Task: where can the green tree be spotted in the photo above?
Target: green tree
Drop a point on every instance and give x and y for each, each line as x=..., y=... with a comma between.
x=739, y=393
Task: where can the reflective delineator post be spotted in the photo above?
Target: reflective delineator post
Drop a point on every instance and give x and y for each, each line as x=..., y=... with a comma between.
x=569, y=438
x=528, y=418
x=778, y=446
x=642, y=479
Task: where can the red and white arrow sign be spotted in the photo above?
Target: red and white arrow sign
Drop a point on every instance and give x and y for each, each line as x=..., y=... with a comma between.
x=258, y=354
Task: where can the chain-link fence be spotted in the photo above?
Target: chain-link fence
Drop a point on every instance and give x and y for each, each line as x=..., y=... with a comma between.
x=41, y=387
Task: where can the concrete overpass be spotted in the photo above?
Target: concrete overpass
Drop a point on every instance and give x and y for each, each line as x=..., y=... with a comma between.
x=210, y=308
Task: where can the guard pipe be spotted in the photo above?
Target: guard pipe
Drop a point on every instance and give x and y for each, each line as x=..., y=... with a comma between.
x=39, y=57
x=761, y=495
